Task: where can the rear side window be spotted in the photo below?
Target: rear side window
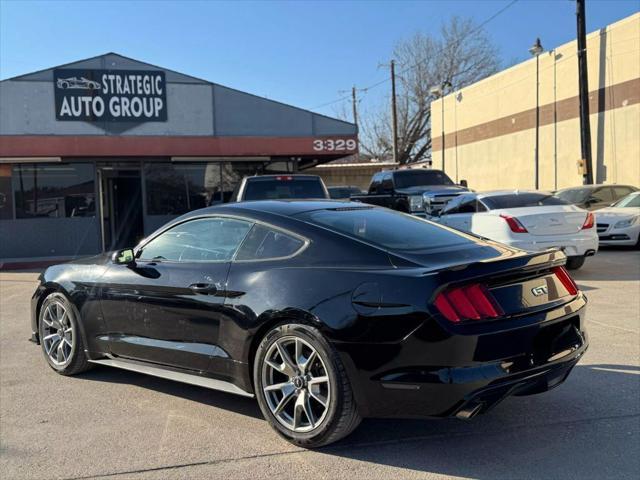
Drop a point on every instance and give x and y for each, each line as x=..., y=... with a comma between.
x=386, y=228
x=619, y=192
x=522, y=200
x=469, y=204
x=574, y=195
x=452, y=206
x=602, y=195
x=263, y=243
x=273, y=189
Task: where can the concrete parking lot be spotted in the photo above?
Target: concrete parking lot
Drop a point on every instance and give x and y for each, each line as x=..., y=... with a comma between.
x=108, y=423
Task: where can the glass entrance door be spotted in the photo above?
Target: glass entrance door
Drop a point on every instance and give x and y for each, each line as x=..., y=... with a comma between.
x=121, y=206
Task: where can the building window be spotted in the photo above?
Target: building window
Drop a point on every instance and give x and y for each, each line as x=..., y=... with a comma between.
x=6, y=198
x=177, y=188
x=54, y=190
x=174, y=189
x=234, y=172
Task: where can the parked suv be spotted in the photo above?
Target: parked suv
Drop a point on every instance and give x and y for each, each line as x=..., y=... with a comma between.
x=421, y=192
x=593, y=197
x=274, y=187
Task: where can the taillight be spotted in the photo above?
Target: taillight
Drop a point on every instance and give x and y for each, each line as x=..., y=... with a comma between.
x=471, y=302
x=285, y=177
x=589, y=221
x=514, y=224
x=566, y=280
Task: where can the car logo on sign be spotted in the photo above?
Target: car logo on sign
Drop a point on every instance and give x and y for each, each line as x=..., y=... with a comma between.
x=541, y=290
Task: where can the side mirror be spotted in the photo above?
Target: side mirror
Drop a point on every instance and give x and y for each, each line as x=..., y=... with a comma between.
x=463, y=183
x=124, y=257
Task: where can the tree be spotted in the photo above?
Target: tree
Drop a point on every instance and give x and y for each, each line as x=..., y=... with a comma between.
x=462, y=54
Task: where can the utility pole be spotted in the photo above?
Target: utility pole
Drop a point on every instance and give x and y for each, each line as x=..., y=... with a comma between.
x=438, y=91
x=394, y=117
x=444, y=145
x=354, y=105
x=536, y=50
x=583, y=83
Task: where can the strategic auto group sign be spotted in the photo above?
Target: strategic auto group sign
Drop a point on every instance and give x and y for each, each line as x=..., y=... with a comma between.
x=110, y=95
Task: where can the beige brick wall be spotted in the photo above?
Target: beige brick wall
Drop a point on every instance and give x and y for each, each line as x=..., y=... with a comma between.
x=357, y=175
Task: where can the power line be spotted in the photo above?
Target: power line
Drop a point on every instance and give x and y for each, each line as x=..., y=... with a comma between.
x=411, y=67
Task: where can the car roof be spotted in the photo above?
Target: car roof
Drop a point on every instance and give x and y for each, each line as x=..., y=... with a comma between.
x=496, y=193
x=257, y=178
x=598, y=185
x=279, y=207
x=401, y=170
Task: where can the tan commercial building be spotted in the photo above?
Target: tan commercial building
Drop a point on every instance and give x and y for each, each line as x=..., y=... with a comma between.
x=490, y=126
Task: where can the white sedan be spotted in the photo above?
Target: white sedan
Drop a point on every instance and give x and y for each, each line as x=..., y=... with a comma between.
x=529, y=220
x=619, y=224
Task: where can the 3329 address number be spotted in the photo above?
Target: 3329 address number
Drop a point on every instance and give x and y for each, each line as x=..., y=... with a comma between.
x=330, y=145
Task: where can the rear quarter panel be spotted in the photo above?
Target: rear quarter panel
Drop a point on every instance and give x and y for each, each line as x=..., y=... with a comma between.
x=356, y=296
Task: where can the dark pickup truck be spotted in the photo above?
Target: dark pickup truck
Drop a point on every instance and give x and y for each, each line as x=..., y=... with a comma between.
x=282, y=186
x=421, y=192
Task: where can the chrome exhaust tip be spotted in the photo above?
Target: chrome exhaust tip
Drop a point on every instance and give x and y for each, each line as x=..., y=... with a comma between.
x=469, y=411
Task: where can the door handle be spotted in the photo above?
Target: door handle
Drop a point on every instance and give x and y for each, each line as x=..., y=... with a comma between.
x=203, y=288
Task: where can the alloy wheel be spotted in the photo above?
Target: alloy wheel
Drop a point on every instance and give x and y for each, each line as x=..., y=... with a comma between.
x=296, y=384
x=57, y=334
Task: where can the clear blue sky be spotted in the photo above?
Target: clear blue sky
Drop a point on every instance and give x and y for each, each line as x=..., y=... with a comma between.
x=301, y=53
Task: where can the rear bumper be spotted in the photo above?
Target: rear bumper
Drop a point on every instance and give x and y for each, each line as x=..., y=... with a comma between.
x=572, y=247
x=436, y=372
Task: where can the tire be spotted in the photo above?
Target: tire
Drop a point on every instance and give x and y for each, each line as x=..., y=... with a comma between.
x=60, y=337
x=303, y=388
x=574, y=263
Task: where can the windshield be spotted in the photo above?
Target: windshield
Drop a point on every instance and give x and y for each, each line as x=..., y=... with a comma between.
x=574, y=195
x=521, y=200
x=386, y=228
x=286, y=187
x=416, y=178
x=632, y=200
x=342, y=192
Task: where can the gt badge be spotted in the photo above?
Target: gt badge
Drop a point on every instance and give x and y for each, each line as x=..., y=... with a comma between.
x=541, y=290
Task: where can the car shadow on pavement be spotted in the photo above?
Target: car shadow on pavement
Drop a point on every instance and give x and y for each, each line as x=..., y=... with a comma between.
x=214, y=398
x=586, y=428
x=613, y=265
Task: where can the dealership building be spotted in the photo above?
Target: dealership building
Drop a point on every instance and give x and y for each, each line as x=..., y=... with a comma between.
x=98, y=153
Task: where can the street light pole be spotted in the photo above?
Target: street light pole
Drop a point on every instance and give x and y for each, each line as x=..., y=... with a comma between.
x=439, y=91
x=536, y=50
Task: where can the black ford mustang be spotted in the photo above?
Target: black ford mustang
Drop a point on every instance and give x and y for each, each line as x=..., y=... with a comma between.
x=325, y=311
